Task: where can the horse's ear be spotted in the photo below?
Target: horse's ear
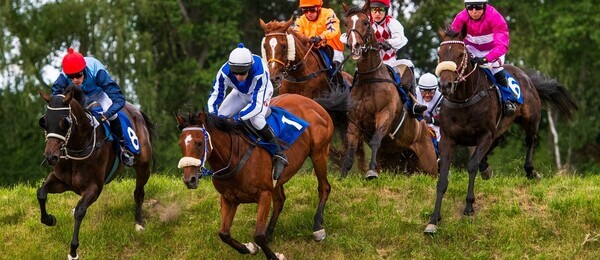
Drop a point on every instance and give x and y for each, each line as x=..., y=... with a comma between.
x=442, y=33
x=262, y=24
x=45, y=96
x=180, y=121
x=345, y=7
x=367, y=6
x=288, y=24
x=463, y=32
x=69, y=94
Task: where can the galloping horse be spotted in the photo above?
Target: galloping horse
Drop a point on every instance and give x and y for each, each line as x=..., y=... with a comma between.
x=244, y=173
x=84, y=160
x=300, y=70
x=376, y=111
x=471, y=116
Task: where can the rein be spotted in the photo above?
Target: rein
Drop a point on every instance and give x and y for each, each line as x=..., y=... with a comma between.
x=66, y=152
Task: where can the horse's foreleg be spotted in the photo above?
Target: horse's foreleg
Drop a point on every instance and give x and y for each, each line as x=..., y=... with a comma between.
x=87, y=198
x=481, y=150
x=228, y=210
x=319, y=161
x=446, y=150
x=51, y=185
x=278, y=202
x=260, y=236
x=142, y=176
x=352, y=139
x=530, y=141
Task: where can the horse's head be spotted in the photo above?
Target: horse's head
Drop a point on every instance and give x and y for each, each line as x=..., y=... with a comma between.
x=453, y=60
x=58, y=121
x=358, y=30
x=278, y=47
x=195, y=146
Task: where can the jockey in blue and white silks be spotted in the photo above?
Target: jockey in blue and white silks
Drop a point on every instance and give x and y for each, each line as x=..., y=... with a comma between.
x=251, y=93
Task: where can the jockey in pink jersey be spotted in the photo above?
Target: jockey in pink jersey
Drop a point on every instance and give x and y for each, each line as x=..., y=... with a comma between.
x=487, y=39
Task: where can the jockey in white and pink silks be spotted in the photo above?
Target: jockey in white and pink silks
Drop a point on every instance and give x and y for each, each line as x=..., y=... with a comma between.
x=487, y=39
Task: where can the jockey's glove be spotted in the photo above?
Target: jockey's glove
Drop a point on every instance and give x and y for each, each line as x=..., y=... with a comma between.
x=315, y=39
x=100, y=117
x=385, y=45
x=480, y=60
x=428, y=119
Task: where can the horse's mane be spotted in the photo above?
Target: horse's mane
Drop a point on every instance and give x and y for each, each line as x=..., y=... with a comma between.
x=193, y=118
x=275, y=26
x=78, y=94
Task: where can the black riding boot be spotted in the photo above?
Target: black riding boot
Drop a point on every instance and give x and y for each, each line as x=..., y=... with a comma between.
x=417, y=109
x=509, y=107
x=126, y=156
x=279, y=158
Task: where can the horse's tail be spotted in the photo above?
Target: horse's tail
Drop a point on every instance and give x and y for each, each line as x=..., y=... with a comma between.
x=152, y=134
x=336, y=104
x=553, y=94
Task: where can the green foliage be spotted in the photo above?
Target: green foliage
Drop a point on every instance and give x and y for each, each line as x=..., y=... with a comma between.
x=553, y=218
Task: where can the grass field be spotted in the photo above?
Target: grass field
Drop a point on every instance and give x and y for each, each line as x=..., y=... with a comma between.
x=553, y=218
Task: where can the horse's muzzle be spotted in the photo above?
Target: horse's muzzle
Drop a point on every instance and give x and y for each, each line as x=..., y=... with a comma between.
x=190, y=178
x=51, y=158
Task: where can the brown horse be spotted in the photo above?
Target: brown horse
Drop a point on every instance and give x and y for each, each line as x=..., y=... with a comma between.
x=84, y=160
x=471, y=116
x=298, y=69
x=376, y=111
x=243, y=173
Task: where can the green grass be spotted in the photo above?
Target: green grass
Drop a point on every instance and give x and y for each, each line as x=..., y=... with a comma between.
x=515, y=218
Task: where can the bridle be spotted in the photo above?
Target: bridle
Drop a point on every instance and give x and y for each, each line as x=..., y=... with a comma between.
x=366, y=39
x=66, y=152
x=451, y=65
x=288, y=65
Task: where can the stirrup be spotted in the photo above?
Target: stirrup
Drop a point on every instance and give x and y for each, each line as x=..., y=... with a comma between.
x=281, y=158
x=127, y=157
x=509, y=109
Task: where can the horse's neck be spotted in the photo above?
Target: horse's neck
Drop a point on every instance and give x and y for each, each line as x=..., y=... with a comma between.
x=224, y=149
x=473, y=84
x=304, y=59
x=369, y=61
x=82, y=127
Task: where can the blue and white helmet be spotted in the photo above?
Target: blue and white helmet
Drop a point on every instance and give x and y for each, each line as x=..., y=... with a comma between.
x=240, y=59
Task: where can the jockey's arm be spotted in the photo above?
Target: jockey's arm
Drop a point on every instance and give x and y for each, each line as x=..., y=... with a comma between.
x=217, y=94
x=60, y=84
x=397, y=39
x=113, y=91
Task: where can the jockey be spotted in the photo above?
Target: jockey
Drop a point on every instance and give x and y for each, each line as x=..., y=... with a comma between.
x=89, y=74
x=432, y=98
x=390, y=36
x=248, y=76
x=487, y=40
x=323, y=28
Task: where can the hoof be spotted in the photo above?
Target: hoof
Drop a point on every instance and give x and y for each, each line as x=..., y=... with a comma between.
x=430, y=229
x=319, y=235
x=488, y=173
x=72, y=258
x=138, y=227
x=371, y=174
x=534, y=175
x=253, y=248
x=280, y=256
x=49, y=221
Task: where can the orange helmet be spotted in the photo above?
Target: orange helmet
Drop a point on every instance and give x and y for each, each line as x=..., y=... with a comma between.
x=309, y=3
x=73, y=62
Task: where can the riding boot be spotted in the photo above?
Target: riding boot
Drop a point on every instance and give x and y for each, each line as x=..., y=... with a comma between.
x=415, y=108
x=279, y=158
x=115, y=128
x=509, y=107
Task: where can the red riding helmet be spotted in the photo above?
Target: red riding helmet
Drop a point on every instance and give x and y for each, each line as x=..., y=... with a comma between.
x=73, y=62
x=380, y=3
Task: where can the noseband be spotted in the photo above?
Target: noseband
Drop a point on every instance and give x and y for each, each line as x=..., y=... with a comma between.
x=192, y=161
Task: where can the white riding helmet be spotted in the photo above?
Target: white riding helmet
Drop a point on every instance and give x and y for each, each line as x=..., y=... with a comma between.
x=475, y=1
x=428, y=81
x=240, y=59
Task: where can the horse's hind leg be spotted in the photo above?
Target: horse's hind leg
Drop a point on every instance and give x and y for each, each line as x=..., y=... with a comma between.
x=88, y=197
x=530, y=141
x=228, y=210
x=142, y=175
x=319, y=160
x=51, y=185
x=278, y=202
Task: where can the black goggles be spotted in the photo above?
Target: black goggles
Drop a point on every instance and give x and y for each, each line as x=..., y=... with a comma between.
x=75, y=75
x=477, y=7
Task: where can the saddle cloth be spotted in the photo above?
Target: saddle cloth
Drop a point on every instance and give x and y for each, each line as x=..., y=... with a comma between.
x=511, y=92
x=132, y=143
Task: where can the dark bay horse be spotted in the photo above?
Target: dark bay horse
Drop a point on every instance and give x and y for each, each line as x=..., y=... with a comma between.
x=242, y=171
x=376, y=110
x=471, y=116
x=298, y=69
x=84, y=160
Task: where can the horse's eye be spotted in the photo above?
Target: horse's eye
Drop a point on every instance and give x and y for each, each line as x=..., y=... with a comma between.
x=199, y=144
x=366, y=23
x=284, y=47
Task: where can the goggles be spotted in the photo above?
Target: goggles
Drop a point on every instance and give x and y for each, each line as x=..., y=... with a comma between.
x=75, y=75
x=380, y=10
x=312, y=9
x=477, y=7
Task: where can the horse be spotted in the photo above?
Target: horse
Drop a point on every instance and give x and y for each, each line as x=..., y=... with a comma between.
x=376, y=111
x=243, y=173
x=471, y=114
x=84, y=160
x=298, y=69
